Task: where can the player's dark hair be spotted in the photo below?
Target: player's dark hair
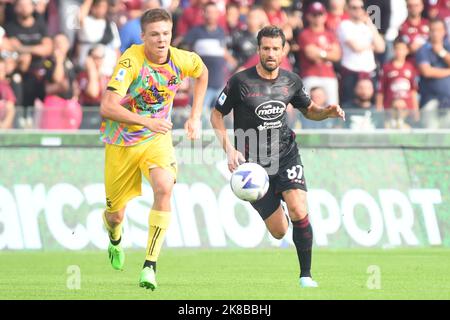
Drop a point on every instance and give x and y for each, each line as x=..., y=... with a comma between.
x=271, y=32
x=154, y=15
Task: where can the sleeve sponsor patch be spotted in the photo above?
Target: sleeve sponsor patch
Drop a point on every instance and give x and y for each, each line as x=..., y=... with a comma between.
x=222, y=98
x=121, y=75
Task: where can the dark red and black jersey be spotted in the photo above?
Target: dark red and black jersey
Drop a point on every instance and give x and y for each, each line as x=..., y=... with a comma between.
x=259, y=109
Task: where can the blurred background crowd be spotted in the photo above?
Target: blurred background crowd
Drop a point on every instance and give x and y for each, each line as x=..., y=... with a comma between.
x=386, y=62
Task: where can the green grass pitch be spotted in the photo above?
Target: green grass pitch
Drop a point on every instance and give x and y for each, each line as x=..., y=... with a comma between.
x=229, y=274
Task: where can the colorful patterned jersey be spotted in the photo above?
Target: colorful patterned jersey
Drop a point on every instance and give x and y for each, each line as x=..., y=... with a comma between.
x=147, y=89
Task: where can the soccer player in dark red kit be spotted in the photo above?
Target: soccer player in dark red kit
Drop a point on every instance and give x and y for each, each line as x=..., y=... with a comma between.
x=259, y=97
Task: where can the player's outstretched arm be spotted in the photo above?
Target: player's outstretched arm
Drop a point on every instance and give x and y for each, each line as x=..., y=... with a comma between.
x=193, y=124
x=234, y=157
x=317, y=113
x=110, y=108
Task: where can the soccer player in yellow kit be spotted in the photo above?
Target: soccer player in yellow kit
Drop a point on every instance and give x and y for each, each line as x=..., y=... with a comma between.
x=136, y=130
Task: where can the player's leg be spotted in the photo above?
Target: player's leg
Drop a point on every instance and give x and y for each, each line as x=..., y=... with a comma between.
x=122, y=183
x=113, y=224
x=270, y=209
x=291, y=183
x=277, y=223
x=159, y=167
x=302, y=233
x=162, y=182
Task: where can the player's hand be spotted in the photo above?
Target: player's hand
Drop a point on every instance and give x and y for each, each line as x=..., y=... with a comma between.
x=193, y=127
x=335, y=111
x=235, y=158
x=158, y=125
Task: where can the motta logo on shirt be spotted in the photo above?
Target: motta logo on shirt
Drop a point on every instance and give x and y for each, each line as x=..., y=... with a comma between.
x=270, y=110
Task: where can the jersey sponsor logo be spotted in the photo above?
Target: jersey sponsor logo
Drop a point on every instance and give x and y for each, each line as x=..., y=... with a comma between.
x=173, y=81
x=126, y=63
x=270, y=125
x=270, y=110
x=153, y=96
x=121, y=75
x=222, y=98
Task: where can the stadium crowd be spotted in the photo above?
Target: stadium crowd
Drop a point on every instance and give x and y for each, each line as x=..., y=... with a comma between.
x=387, y=62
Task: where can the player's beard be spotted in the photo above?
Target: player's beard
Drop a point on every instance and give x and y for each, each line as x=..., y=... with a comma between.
x=269, y=68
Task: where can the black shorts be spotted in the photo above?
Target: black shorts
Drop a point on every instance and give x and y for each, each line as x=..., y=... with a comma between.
x=289, y=176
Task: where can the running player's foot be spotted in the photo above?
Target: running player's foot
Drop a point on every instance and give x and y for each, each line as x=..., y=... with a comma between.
x=308, y=282
x=148, y=278
x=116, y=256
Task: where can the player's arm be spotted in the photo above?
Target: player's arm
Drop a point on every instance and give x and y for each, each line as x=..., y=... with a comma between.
x=301, y=100
x=317, y=113
x=192, y=125
x=110, y=108
x=234, y=157
x=225, y=103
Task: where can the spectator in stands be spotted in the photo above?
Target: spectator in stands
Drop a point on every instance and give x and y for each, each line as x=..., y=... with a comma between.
x=415, y=29
x=209, y=42
x=380, y=11
x=60, y=108
x=7, y=99
x=399, y=14
x=28, y=37
x=92, y=81
x=359, y=40
x=130, y=32
x=233, y=19
x=444, y=14
x=97, y=29
x=319, y=48
x=191, y=17
x=435, y=7
x=433, y=61
x=363, y=95
x=13, y=74
x=361, y=109
x=277, y=16
x=295, y=20
x=60, y=71
x=243, y=43
x=397, y=88
x=68, y=14
x=336, y=14
x=382, y=8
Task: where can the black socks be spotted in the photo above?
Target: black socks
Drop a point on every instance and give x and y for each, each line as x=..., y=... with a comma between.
x=303, y=239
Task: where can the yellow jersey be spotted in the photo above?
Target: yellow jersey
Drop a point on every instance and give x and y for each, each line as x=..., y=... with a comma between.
x=148, y=89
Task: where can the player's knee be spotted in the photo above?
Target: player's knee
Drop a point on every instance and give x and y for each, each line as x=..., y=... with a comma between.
x=278, y=234
x=297, y=212
x=162, y=191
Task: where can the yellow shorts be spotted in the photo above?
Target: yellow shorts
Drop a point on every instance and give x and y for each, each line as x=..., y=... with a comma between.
x=124, y=167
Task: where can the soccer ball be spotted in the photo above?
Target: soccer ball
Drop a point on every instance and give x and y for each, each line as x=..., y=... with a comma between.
x=249, y=182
